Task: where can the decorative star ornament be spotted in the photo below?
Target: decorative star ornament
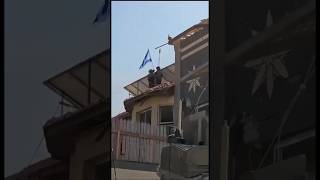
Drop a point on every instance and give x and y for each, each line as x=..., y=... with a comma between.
x=267, y=69
x=193, y=83
x=269, y=22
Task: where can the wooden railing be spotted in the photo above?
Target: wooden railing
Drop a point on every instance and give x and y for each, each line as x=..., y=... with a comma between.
x=139, y=142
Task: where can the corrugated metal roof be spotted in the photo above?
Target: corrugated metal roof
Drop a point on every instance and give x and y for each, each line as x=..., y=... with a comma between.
x=73, y=84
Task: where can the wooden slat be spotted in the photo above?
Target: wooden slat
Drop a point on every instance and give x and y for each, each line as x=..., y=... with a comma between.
x=140, y=142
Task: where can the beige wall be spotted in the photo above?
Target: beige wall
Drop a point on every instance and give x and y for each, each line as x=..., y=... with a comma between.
x=87, y=153
x=154, y=103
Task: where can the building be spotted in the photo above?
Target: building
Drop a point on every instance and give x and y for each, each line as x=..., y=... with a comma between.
x=139, y=133
x=192, y=82
x=77, y=139
x=80, y=136
x=153, y=102
x=47, y=169
x=263, y=74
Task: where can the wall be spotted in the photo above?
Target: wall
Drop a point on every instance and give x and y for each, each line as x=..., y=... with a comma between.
x=88, y=152
x=154, y=103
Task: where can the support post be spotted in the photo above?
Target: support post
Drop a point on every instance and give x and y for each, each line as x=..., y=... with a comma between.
x=177, y=99
x=118, y=145
x=217, y=56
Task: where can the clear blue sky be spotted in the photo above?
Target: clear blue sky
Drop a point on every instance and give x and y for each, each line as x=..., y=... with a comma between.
x=139, y=26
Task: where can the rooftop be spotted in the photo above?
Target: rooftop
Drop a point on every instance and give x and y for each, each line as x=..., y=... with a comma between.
x=140, y=86
x=166, y=88
x=85, y=83
x=190, y=31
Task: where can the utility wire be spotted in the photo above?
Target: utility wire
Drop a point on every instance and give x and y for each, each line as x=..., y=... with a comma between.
x=40, y=142
x=35, y=151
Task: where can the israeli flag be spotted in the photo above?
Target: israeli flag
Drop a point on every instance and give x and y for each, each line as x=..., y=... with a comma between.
x=147, y=58
x=104, y=13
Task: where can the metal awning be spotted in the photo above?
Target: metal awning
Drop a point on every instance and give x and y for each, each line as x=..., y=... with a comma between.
x=85, y=83
x=141, y=85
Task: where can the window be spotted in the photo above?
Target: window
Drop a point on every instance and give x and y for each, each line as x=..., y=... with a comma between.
x=166, y=114
x=144, y=116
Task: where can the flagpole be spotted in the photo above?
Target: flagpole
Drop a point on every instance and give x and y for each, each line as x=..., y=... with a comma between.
x=159, y=57
x=160, y=51
x=152, y=64
x=161, y=46
x=151, y=59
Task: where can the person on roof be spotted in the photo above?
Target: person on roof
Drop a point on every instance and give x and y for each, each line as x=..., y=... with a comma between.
x=158, y=76
x=151, y=78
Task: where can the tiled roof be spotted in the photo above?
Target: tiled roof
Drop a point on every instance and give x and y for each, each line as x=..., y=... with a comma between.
x=55, y=120
x=190, y=31
x=121, y=116
x=162, y=89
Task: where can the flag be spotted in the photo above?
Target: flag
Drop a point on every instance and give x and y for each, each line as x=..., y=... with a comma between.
x=147, y=58
x=103, y=13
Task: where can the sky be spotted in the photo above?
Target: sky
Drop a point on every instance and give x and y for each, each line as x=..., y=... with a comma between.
x=42, y=38
x=139, y=26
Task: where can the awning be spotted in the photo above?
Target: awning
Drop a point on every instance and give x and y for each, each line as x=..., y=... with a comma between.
x=85, y=83
x=141, y=85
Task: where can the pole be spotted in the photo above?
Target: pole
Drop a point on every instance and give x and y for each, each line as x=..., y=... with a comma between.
x=159, y=57
x=152, y=64
x=217, y=76
x=161, y=46
x=179, y=116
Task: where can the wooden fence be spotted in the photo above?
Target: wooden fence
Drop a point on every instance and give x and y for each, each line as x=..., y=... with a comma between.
x=139, y=142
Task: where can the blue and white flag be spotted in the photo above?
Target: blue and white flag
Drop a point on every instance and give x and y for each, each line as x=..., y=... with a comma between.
x=147, y=58
x=104, y=13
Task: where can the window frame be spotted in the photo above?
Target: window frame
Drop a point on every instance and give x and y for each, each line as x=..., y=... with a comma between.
x=168, y=122
x=138, y=114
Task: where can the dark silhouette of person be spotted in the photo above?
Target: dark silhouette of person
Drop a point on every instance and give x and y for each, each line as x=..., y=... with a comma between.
x=158, y=76
x=151, y=78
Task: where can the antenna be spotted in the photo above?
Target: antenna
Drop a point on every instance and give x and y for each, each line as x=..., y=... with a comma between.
x=159, y=57
x=159, y=47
